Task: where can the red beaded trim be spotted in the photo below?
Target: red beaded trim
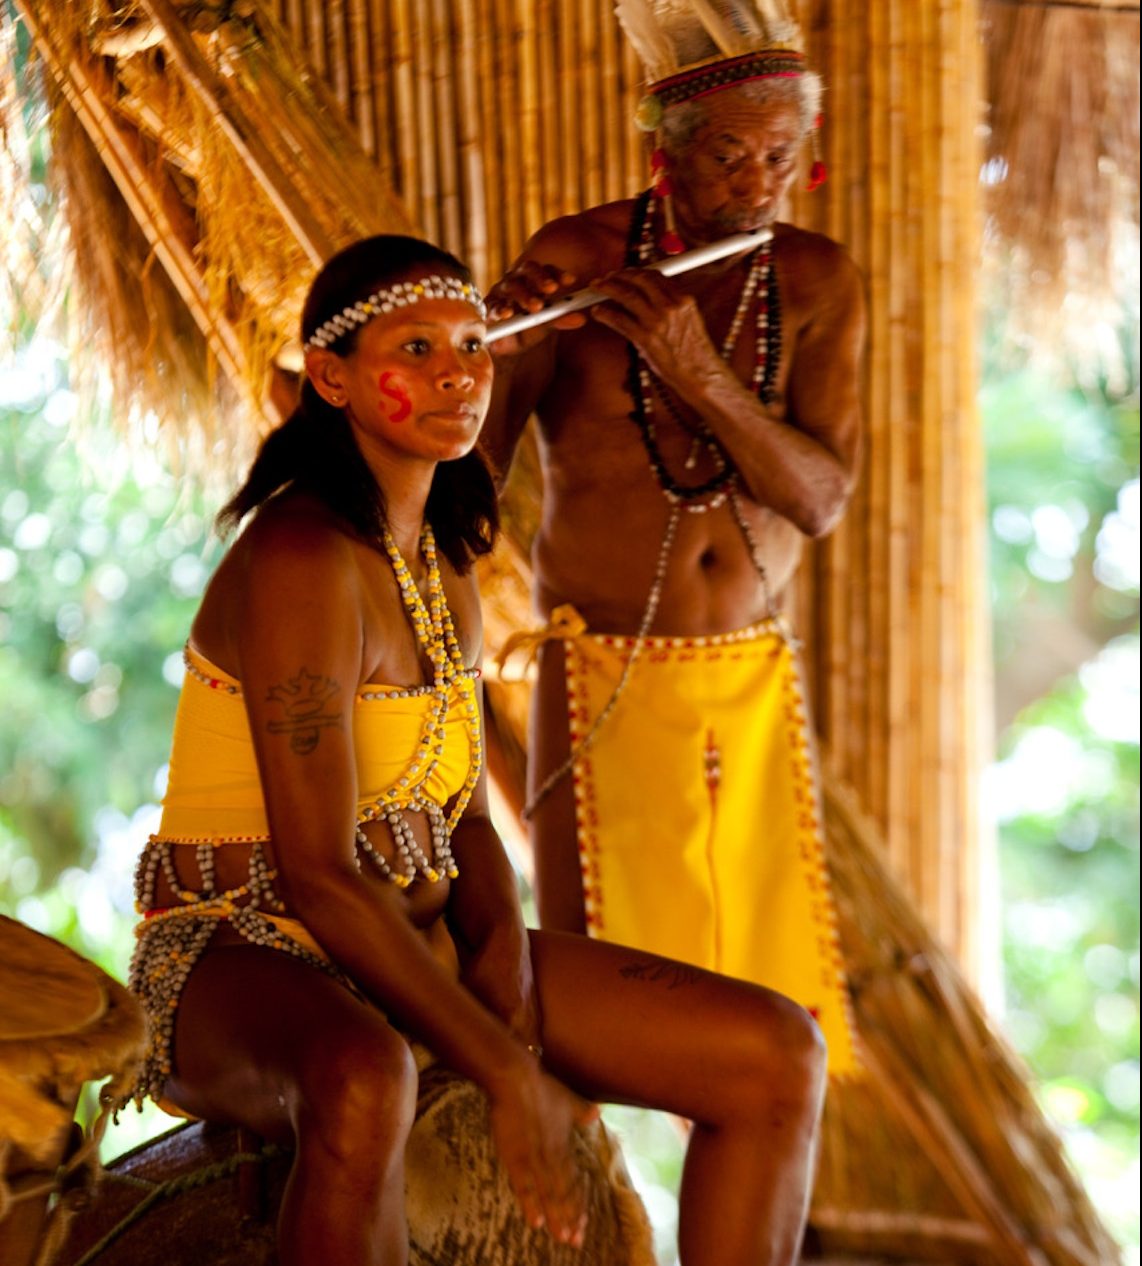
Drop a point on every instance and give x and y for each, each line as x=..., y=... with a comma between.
x=833, y=978
x=700, y=80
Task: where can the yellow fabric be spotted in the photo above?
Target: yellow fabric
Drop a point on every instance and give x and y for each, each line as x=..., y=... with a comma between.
x=214, y=791
x=697, y=819
x=297, y=931
x=565, y=622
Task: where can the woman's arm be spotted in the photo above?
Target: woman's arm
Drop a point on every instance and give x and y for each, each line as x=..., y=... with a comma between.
x=486, y=921
x=299, y=640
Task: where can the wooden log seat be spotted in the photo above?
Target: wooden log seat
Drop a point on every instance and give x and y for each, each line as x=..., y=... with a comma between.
x=203, y=1195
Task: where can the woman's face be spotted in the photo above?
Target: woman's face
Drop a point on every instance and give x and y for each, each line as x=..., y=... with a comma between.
x=417, y=383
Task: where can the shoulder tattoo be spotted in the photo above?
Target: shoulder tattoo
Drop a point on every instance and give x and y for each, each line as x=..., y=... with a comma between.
x=303, y=700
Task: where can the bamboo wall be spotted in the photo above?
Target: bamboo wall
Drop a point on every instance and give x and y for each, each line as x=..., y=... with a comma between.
x=491, y=116
x=898, y=594
x=487, y=116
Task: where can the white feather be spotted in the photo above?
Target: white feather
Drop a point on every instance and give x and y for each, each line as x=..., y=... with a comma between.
x=726, y=38
x=780, y=25
x=655, y=51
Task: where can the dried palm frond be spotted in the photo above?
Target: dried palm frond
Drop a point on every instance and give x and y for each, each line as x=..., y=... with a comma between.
x=1061, y=170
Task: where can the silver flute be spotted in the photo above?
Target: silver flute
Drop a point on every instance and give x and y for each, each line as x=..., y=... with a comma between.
x=671, y=266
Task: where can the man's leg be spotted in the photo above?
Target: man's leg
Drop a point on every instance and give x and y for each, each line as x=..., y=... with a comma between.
x=746, y=1065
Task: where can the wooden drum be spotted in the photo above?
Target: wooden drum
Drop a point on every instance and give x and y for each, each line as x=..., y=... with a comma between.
x=205, y=1195
x=63, y=1022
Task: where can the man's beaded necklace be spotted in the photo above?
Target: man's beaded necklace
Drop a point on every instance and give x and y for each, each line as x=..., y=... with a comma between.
x=719, y=488
x=436, y=636
x=644, y=385
x=722, y=486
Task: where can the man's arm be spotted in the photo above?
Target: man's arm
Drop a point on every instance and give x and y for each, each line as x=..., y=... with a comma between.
x=521, y=379
x=802, y=467
x=552, y=264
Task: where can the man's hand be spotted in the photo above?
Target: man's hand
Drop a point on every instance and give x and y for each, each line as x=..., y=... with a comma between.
x=664, y=323
x=530, y=287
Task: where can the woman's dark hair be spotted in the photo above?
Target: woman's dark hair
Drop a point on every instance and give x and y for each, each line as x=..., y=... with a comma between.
x=315, y=449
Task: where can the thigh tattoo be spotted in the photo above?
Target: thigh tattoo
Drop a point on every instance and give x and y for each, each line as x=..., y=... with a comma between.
x=654, y=971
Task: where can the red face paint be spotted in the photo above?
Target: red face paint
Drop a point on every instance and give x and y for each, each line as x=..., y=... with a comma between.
x=402, y=406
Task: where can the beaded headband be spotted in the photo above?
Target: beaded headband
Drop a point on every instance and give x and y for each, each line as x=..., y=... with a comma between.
x=399, y=295
x=722, y=72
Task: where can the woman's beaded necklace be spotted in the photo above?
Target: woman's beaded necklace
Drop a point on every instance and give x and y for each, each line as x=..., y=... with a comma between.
x=436, y=637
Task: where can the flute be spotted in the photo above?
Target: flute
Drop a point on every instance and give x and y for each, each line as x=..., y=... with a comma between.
x=671, y=266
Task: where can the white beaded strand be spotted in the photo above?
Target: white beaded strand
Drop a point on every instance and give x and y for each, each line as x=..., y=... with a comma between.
x=436, y=636
x=388, y=299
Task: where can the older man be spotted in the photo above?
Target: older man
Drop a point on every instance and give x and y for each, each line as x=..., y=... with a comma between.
x=692, y=431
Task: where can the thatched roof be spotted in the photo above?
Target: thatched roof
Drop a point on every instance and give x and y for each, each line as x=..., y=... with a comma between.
x=1061, y=170
x=235, y=152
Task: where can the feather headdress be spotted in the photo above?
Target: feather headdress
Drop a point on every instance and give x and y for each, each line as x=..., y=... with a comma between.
x=692, y=47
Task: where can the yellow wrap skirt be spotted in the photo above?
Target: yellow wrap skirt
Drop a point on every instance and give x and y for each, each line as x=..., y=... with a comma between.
x=697, y=816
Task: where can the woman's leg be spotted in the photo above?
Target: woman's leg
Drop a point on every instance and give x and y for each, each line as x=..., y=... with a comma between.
x=268, y=1042
x=746, y=1065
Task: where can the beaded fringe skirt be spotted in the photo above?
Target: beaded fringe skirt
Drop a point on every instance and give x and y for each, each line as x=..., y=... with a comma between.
x=165, y=953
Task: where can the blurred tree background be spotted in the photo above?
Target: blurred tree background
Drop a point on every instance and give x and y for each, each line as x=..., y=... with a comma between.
x=104, y=552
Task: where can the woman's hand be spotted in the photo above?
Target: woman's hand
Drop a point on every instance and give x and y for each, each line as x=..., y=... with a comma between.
x=532, y=1119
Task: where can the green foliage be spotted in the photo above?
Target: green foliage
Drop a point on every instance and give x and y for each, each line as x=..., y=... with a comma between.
x=99, y=578
x=1057, y=460
x=1063, y=501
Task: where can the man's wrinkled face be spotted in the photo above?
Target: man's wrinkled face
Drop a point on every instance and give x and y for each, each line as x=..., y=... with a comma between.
x=737, y=166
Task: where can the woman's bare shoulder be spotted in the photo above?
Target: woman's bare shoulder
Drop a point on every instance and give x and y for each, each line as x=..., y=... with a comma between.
x=296, y=530
x=293, y=547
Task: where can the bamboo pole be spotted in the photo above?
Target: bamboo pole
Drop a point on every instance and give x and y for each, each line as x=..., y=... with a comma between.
x=550, y=132
x=472, y=134
x=338, y=54
x=612, y=121
x=569, y=109
x=498, y=255
x=507, y=99
x=531, y=174
x=425, y=196
x=905, y=420
x=380, y=83
x=315, y=46
x=408, y=155
x=977, y=932
x=213, y=92
x=446, y=141
x=926, y=681
x=590, y=144
x=360, y=79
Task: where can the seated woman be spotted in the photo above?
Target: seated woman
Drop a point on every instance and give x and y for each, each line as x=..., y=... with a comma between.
x=327, y=885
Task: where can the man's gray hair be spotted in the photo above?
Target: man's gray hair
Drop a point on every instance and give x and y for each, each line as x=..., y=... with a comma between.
x=680, y=122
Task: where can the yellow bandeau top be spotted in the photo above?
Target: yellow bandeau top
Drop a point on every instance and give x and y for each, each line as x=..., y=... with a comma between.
x=214, y=793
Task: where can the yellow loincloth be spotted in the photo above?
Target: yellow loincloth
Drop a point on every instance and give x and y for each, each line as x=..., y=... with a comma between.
x=697, y=817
